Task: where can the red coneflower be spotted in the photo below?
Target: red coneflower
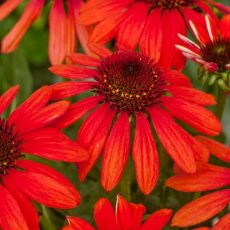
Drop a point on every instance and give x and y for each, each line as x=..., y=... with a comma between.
x=207, y=177
x=28, y=130
x=153, y=24
x=63, y=27
x=126, y=216
x=213, y=52
x=131, y=89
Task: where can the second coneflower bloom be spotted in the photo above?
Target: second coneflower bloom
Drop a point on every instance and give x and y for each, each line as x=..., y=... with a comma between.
x=129, y=91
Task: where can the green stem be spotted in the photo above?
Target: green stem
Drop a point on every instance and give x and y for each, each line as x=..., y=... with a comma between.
x=125, y=183
x=47, y=223
x=221, y=99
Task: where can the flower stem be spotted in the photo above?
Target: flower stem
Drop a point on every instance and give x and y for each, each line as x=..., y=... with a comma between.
x=220, y=99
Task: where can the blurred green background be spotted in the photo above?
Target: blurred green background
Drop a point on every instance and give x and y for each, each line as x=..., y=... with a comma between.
x=27, y=66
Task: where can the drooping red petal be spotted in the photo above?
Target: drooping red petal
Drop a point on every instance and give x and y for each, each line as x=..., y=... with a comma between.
x=100, y=50
x=145, y=155
x=11, y=216
x=152, y=36
x=207, y=177
x=72, y=72
x=104, y=215
x=7, y=98
x=12, y=39
x=133, y=23
x=41, y=118
x=123, y=214
x=174, y=57
x=92, y=136
x=116, y=152
x=57, y=33
x=27, y=208
x=76, y=111
x=201, y=209
x=33, y=104
x=83, y=59
x=176, y=78
x=174, y=139
x=223, y=223
x=7, y=7
x=157, y=220
x=196, y=116
x=225, y=26
x=216, y=148
x=50, y=143
x=192, y=95
x=45, y=185
x=67, y=89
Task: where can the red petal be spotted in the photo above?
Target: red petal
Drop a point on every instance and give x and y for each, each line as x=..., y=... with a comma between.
x=104, y=215
x=79, y=224
x=133, y=23
x=11, y=216
x=192, y=95
x=83, y=59
x=196, y=116
x=27, y=208
x=174, y=139
x=7, y=7
x=33, y=104
x=223, y=223
x=116, y=153
x=170, y=37
x=7, y=98
x=225, y=26
x=123, y=214
x=41, y=118
x=100, y=50
x=72, y=72
x=137, y=211
x=201, y=209
x=76, y=111
x=176, y=78
x=157, y=220
x=54, y=145
x=216, y=148
x=45, y=185
x=93, y=134
x=145, y=155
x=67, y=89
x=152, y=36
x=57, y=36
x=12, y=39
x=207, y=177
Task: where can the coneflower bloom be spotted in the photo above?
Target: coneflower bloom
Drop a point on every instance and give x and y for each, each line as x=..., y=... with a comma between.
x=213, y=51
x=207, y=177
x=130, y=89
x=63, y=27
x=126, y=216
x=144, y=22
x=28, y=130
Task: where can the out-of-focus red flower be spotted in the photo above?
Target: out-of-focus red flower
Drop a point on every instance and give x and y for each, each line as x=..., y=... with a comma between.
x=28, y=130
x=63, y=27
x=153, y=24
x=207, y=177
x=126, y=216
x=213, y=51
x=130, y=89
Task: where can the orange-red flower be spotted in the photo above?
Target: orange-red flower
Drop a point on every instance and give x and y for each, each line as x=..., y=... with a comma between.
x=213, y=53
x=28, y=130
x=207, y=177
x=63, y=27
x=129, y=88
x=126, y=216
x=153, y=24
